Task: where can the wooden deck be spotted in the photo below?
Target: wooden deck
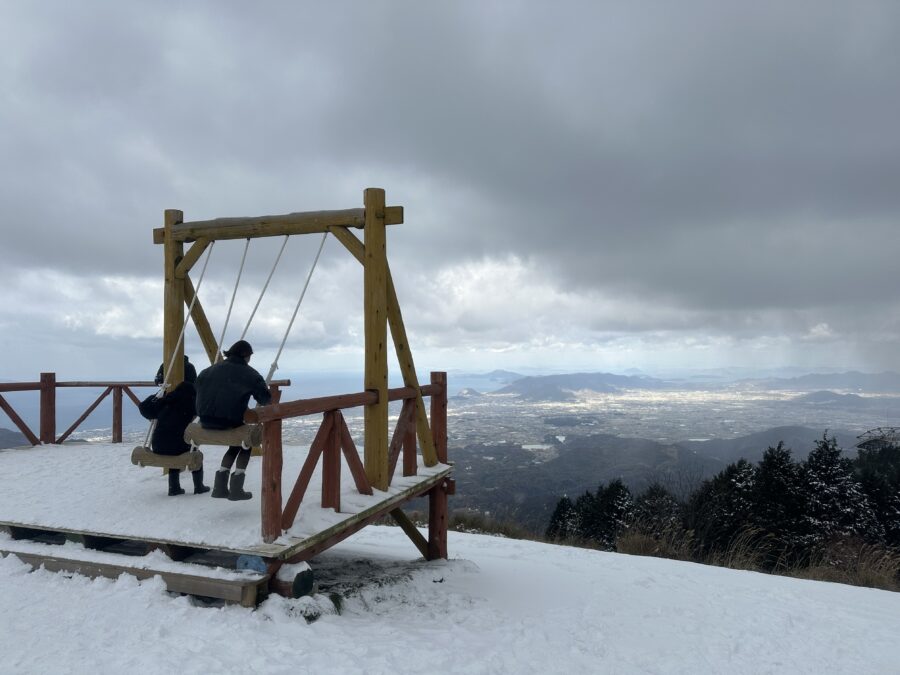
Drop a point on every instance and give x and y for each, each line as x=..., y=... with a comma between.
x=90, y=493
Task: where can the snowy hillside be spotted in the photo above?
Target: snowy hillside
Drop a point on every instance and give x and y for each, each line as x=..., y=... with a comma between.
x=498, y=606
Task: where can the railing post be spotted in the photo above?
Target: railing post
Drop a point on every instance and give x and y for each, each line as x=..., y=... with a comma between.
x=117, y=415
x=439, y=415
x=48, y=408
x=437, y=497
x=272, y=463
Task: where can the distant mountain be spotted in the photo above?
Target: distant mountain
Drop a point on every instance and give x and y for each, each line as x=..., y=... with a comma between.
x=11, y=439
x=887, y=383
x=562, y=387
x=799, y=439
x=468, y=393
x=520, y=484
x=834, y=400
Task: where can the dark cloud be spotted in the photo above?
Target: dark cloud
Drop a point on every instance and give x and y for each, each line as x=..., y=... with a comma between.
x=690, y=167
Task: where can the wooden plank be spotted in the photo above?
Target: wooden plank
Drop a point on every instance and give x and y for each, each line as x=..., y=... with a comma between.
x=19, y=422
x=318, y=445
x=117, y=415
x=404, y=421
x=19, y=386
x=84, y=415
x=201, y=323
x=331, y=465
x=410, y=461
x=357, y=470
x=301, y=551
x=401, y=344
x=272, y=465
x=411, y=531
x=439, y=415
x=312, y=406
x=375, y=329
x=309, y=222
x=191, y=257
x=131, y=395
x=48, y=408
x=437, y=522
x=173, y=301
x=230, y=590
x=104, y=383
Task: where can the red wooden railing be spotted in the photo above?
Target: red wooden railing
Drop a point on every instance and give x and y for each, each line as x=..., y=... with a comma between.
x=48, y=385
x=333, y=439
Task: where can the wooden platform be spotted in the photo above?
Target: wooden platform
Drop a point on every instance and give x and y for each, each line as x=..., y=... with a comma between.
x=92, y=492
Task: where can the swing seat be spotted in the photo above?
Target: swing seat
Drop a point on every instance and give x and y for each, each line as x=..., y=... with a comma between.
x=188, y=461
x=246, y=436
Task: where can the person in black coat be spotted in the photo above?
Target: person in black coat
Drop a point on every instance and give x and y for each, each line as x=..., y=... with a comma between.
x=223, y=392
x=173, y=412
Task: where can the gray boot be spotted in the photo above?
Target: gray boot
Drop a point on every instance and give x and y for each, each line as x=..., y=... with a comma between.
x=220, y=486
x=236, y=488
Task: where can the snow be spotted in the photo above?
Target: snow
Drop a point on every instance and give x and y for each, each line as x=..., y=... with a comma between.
x=123, y=500
x=497, y=606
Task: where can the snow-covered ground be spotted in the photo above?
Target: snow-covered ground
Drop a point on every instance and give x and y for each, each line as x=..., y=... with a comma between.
x=498, y=606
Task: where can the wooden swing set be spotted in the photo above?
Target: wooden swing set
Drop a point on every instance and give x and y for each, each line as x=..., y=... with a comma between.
x=380, y=310
x=183, y=246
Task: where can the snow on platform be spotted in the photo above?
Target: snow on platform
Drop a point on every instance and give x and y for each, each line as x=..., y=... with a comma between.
x=94, y=488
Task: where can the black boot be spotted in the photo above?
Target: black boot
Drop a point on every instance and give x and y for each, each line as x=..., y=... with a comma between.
x=220, y=485
x=236, y=488
x=174, y=483
x=199, y=487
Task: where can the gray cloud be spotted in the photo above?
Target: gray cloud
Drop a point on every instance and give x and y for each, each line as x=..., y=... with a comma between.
x=691, y=171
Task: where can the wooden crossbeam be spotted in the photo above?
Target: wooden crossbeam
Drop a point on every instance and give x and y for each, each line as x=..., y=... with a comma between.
x=309, y=222
x=84, y=416
x=289, y=513
x=190, y=258
x=19, y=422
x=201, y=323
x=411, y=531
x=351, y=454
x=401, y=433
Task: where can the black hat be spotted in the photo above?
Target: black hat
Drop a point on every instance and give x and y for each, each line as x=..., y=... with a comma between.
x=240, y=348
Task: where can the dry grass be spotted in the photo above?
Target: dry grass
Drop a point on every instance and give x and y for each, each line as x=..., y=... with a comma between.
x=855, y=563
x=673, y=543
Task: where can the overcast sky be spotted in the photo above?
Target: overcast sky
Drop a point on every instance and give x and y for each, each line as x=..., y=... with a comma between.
x=587, y=186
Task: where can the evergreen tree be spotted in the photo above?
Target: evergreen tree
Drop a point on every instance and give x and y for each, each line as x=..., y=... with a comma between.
x=614, y=511
x=657, y=511
x=779, y=503
x=836, y=505
x=878, y=471
x=721, y=508
x=563, y=522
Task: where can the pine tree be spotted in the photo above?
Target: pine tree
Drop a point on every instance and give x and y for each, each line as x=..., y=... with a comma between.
x=657, y=511
x=836, y=505
x=563, y=523
x=721, y=508
x=878, y=471
x=779, y=503
x=615, y=511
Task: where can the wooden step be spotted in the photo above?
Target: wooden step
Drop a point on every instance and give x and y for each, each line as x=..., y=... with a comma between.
x=242, y=587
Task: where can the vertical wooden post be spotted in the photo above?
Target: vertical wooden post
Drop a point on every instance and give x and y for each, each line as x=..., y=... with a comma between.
x=48, y=408
x=331, y=464
x=410, y=461
x=375, y=316
x=272, y=464
x=437, y=521
x=439, y=415
x=173, y=300
x=117, y=415
x=437, y=496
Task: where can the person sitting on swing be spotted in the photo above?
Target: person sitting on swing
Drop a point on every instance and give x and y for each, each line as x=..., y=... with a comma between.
x=223, y=392
x=173, y=411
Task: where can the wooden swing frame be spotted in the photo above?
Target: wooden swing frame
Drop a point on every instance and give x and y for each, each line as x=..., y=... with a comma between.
x=381, y=310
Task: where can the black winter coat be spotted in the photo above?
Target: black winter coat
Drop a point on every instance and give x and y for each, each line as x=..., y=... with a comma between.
x=172, y=412
x=224, y=390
